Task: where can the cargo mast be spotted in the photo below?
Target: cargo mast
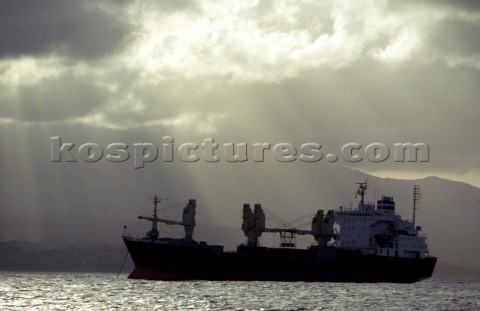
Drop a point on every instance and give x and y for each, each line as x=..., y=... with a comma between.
x=188, y=219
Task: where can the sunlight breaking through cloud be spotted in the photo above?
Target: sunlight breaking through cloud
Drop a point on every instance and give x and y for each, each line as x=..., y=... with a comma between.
x=205, y=45
x=259, y=68
x=261, y=42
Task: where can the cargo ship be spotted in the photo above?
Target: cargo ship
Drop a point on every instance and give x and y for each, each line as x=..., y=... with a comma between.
x=369, y=243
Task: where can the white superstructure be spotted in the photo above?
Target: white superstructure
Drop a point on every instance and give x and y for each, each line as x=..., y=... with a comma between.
x=377, y=230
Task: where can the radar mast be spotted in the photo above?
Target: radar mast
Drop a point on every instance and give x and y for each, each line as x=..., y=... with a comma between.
x=416, y=198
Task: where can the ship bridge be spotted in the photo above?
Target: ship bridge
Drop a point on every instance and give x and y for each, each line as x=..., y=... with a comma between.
x=378, y=230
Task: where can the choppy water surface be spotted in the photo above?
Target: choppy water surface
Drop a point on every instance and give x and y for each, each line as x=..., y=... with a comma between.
x=50, y=291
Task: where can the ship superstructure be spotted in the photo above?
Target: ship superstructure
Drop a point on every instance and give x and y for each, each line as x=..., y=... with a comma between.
x=367, y=244
x=377, y=230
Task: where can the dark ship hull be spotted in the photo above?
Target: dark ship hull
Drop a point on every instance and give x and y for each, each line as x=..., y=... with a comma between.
x=177, y=259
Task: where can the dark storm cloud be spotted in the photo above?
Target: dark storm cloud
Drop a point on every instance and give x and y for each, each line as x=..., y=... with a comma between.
x=457, y=36
x=462, y=5
x=453, y=34
x=67, y=27
x=467, y=5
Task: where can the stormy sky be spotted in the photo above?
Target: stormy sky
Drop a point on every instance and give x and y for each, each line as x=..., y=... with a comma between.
x=326, y=72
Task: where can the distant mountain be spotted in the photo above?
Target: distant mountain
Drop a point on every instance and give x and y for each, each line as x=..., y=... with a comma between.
x=35, y=256
x=449, y=214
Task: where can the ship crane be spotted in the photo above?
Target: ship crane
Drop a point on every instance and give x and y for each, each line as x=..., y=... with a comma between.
x=287, y=235
x=254, y=225
x=188, y=219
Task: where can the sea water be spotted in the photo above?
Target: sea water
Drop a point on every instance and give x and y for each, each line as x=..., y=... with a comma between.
x=84, y=291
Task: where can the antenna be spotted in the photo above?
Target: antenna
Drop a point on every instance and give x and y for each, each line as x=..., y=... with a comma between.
x=416, y=198
x=156, y=200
